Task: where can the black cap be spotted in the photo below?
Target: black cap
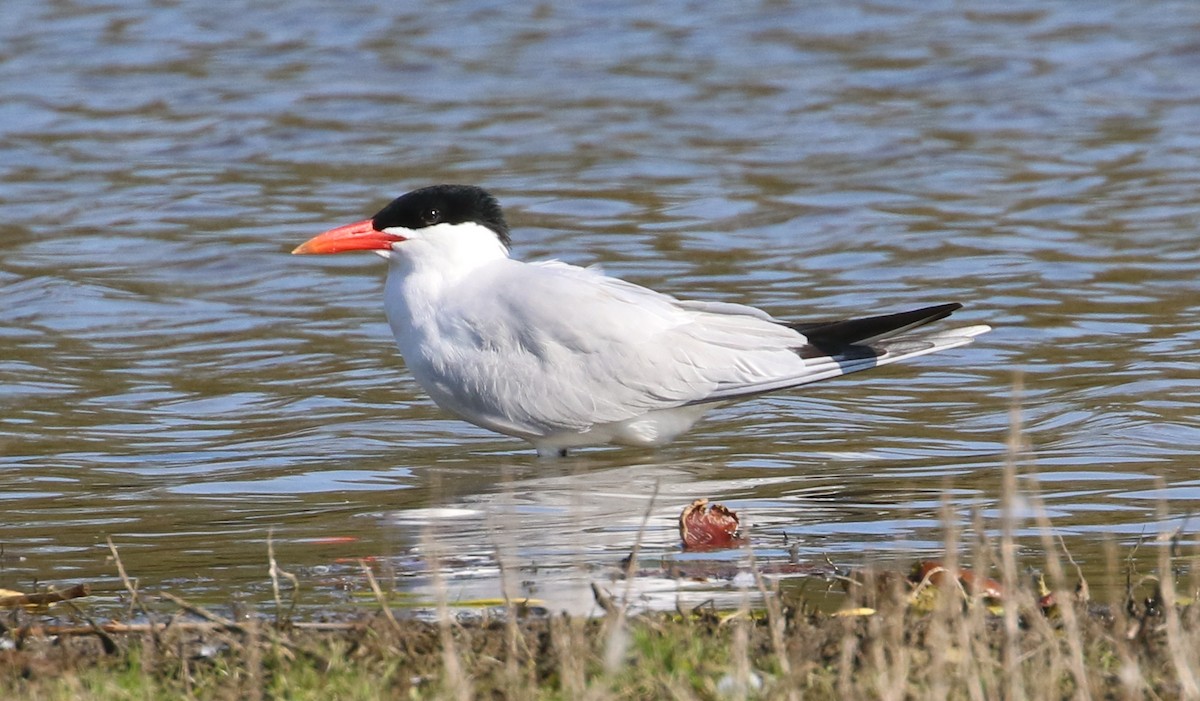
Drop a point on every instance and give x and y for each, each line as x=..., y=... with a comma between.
x=444, y=204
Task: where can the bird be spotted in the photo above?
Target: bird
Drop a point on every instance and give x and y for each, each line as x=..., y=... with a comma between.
x=564, y=356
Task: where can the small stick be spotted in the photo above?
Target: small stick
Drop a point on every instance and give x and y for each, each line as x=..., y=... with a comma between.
x=131, y=587
x=387, y=610
x=275, y=571
x=110, y=645
x=45, y=598
x=250, y=631
x=603, y=600
x=202, y=612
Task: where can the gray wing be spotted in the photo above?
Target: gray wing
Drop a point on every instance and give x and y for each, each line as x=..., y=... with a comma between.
x=550, y=347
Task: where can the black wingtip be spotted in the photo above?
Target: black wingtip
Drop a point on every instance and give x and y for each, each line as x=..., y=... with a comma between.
x=829, y=337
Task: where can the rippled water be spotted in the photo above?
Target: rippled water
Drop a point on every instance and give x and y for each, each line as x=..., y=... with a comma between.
x=171, y=378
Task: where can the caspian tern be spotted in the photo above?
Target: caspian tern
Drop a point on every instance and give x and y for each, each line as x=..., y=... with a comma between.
x=563, y=356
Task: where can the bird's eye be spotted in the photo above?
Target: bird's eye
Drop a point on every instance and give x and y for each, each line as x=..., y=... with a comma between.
x=430, y=217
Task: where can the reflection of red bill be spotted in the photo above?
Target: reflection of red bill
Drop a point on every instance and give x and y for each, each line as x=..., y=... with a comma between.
x=332, y=540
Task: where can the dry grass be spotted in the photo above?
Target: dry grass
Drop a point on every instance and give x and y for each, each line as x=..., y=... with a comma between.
x=952, y=651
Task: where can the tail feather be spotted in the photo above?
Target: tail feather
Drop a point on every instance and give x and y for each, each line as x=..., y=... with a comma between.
x=842, y=347
x=826, y=337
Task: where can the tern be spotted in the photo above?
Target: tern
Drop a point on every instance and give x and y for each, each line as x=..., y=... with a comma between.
x=564, y=356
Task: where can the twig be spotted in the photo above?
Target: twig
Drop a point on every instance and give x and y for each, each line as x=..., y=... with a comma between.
x=1082, y=590
x=131, y=587
x=275, y=571
x=250, y=631
x=202, y=612
x=44, y=598
x=603, y=600
x=110, y=645
x=383, y=604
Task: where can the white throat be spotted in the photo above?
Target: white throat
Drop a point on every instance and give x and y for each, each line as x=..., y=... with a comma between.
x=446, y=251
x=429, y=262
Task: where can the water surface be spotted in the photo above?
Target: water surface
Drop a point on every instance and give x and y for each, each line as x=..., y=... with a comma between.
x=171, y=378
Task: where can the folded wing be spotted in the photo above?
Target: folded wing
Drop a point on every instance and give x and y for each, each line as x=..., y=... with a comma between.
x=623, y=350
